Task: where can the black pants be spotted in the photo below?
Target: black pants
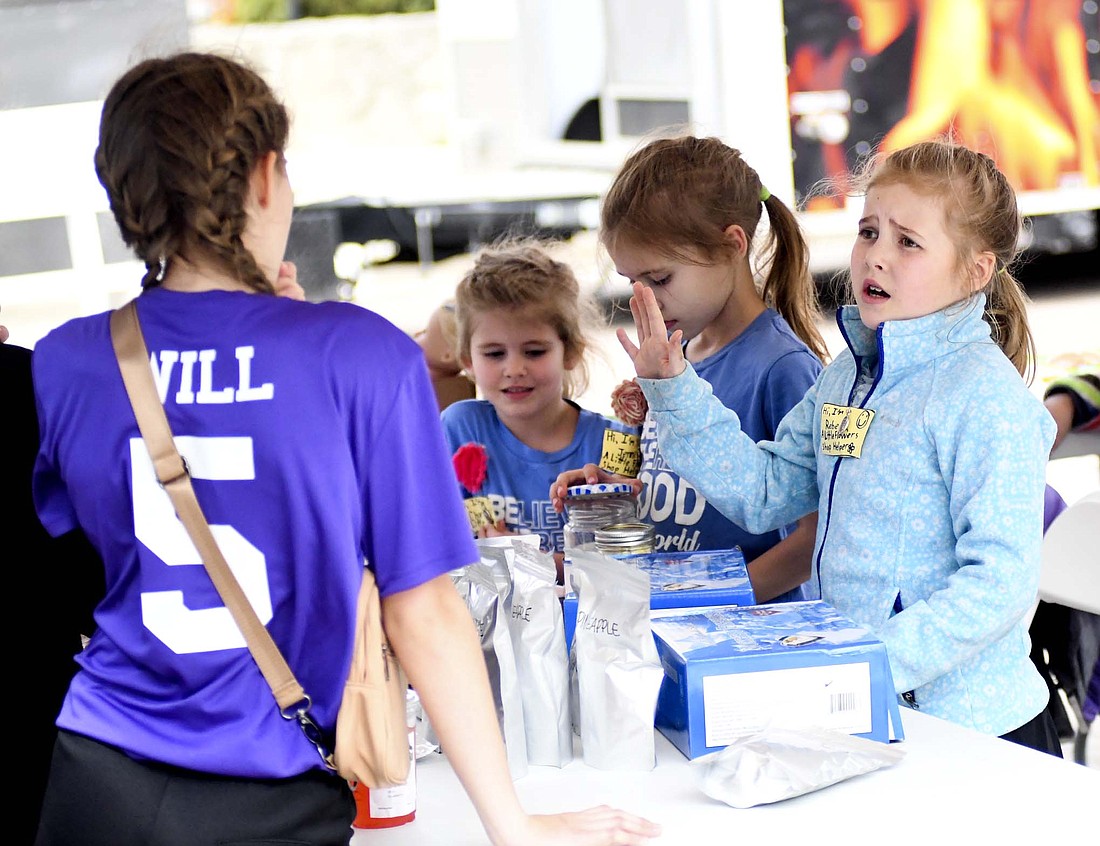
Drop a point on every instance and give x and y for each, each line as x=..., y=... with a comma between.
x=99, y=796
x=1038, y=733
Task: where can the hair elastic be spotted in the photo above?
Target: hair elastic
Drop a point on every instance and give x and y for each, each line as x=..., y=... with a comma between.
x=764, y=194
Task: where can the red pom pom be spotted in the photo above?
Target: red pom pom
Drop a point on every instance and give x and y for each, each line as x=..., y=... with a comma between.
x=471, y=462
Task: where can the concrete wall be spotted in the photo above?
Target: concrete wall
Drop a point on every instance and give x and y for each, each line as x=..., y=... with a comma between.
x=374, y=80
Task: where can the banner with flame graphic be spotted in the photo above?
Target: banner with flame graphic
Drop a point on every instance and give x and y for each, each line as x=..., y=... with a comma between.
x=1016, y=79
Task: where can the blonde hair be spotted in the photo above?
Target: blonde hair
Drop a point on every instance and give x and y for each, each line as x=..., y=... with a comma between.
x=517, y=274
x=678, y=196
x=448, y=324
x=981, y=215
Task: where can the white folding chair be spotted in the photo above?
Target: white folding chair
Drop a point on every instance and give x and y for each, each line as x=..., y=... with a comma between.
x=1070, y=576
x=1070, y=572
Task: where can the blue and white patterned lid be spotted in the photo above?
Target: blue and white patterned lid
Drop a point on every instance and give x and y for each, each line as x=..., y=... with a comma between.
x=601, y=489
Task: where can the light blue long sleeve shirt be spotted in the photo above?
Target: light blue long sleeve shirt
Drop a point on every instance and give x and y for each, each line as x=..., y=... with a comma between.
x=931, y=537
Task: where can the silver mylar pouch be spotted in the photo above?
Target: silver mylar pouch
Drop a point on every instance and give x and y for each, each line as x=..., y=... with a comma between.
x=779, y=763
x=477, y=586
x=498, y=558
x=618, y=670
x=538, y=639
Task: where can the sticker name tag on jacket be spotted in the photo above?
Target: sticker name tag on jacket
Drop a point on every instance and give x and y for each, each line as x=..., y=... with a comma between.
x=844, y=429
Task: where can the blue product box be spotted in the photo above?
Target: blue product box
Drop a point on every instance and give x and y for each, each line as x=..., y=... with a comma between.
x=683, y=580
x=731, y=670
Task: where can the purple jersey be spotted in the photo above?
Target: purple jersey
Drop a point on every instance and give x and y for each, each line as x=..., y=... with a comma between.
x=314, y=443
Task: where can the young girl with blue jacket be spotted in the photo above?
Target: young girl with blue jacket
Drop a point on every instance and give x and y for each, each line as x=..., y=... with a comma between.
x=920, y=445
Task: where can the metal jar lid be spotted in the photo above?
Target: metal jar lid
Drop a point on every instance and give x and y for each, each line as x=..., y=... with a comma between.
x=625, y=537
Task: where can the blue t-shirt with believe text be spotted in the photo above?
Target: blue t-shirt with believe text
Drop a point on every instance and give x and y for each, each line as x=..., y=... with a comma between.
x=518, y=477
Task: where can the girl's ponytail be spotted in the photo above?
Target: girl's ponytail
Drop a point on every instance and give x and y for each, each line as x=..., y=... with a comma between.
x=789, y=287
x=1006, y=313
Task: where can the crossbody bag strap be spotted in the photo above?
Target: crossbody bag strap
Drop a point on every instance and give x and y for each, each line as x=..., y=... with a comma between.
x=174, y=476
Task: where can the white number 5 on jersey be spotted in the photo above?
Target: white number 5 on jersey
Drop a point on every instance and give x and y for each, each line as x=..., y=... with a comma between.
x=165, y=613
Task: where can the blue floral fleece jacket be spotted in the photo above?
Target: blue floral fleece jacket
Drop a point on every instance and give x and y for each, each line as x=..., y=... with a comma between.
x=930, y=506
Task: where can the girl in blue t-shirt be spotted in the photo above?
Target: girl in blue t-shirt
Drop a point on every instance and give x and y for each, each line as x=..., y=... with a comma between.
x=521, y=333
x=681, y=217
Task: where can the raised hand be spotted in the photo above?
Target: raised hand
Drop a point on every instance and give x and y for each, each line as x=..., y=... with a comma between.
x=657, y=355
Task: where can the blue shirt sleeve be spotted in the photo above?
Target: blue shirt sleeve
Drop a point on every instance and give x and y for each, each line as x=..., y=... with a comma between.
x=758, y=487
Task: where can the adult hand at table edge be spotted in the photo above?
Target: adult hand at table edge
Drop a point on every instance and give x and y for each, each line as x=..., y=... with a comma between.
x=590, y=474
x=592, y=827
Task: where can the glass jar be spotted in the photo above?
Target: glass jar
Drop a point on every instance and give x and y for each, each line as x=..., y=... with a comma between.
x=591, y=507
x=625, y=538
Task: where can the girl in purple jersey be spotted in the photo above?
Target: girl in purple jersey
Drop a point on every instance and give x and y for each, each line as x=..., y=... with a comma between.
x=312, y=436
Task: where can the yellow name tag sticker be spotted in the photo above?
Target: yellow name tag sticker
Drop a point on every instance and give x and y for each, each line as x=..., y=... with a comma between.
x=844, y=429
x=480, y=512
x=622, y=453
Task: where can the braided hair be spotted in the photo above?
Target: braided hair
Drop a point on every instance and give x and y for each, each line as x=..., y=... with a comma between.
x=179, y=138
